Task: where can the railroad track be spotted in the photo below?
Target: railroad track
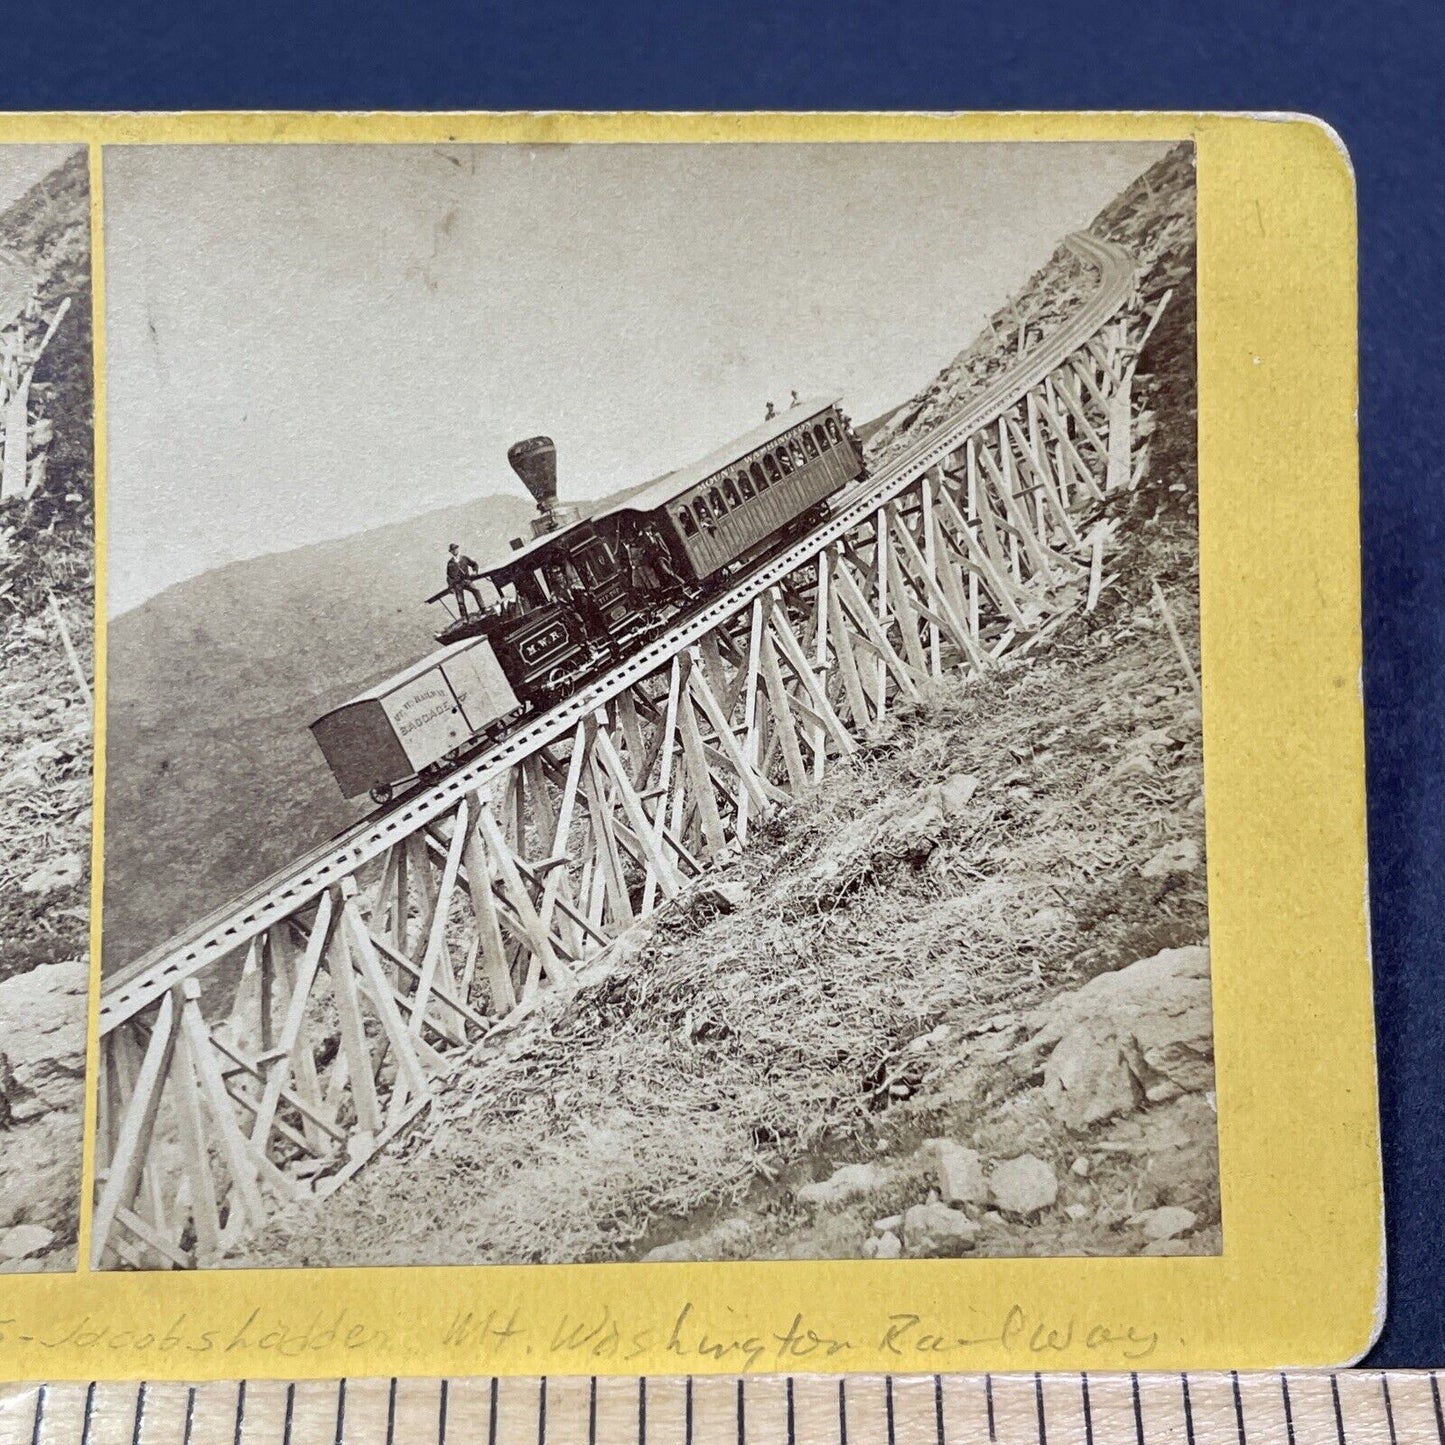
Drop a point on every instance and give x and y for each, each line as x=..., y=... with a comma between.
x=447, y=917
x=139, y=984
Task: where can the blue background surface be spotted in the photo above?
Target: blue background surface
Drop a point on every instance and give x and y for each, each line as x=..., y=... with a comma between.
x=1372, y=70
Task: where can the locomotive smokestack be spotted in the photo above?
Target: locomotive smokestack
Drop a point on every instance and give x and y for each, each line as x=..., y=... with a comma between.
x=535, y=461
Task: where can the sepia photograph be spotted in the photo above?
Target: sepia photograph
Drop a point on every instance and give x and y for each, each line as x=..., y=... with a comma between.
x=653, y=703
x=47, y=614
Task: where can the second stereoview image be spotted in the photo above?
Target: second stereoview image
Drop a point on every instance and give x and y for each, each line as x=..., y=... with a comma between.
x=654, y=709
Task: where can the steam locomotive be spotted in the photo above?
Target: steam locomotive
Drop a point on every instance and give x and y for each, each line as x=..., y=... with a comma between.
x=583, y=593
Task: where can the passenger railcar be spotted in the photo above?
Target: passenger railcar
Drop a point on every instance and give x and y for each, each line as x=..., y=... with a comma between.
x=750, y=494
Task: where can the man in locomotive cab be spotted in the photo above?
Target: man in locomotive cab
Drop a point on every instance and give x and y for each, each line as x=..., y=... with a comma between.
x=661, y=555
x=461, y=578
x=560, y=579
x=641, y=574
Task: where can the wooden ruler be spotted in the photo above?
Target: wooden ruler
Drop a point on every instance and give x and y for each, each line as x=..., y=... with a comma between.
x=1346, y=1407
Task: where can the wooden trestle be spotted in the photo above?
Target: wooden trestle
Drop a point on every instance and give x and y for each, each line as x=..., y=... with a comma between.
x=265, y=1056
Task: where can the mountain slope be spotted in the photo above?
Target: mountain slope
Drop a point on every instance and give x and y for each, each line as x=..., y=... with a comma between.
x=212, y=779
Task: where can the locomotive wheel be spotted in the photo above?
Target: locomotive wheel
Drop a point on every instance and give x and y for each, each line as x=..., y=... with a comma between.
x=381, y=794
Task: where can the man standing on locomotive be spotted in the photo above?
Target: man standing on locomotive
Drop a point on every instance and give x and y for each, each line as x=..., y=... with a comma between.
x=460, y=572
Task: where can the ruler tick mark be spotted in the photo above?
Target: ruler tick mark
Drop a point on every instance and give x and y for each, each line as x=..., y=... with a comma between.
x=1189, y=1410
x=1088, y=1411
x=542, y=1411
x=89, y=1412
x=842, y=1415
x=140, y=1413
x=391, y=1412
x=1138, y=1410
x=792, y=1424
x=340, y=1412
x=1039, y=1407
x=1238, y=1406
x=1435, y=1396
x=40, y=1414
x=938, y=1407
x=290, y=1415
x=1339, y=1414
x=442, y=1415
x=988, y=1399
x=1389, y=1408
x=641, y=1410
x=1288, y=1410
x=241, y=1409
x=687, y=1412
x=492, y=1415
x=190, y=1415
x=888, y=1406
x=742, y=1417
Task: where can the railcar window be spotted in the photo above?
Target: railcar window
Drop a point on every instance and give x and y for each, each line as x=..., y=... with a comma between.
x=770, y=465
x=809, y=445
x=833, y=431
x=730, y=491
x=745, y=485
x=799, y=460
x=719, y=507
x=704, y=517
x=821, y=437
x=760, y=482
x=685, y=521
x=785, y=460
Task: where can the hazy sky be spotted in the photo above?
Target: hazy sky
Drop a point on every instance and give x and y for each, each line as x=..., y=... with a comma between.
x=308, y=341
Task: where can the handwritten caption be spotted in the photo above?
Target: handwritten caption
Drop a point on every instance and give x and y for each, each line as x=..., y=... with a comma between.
x=508, y=1337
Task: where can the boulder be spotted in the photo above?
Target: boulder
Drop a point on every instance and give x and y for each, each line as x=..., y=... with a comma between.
x=1166, y=1247
x=1166, y=1222
x=23, y=1240
x=44, y=1038
x=63, y=872
x=1047, y=919
x=680, y=1251
x=955, y=793
x=1087, y=1078
x=959, y=1172
x=42, y=1080
x=1183, y=1156
x=852, y=1181
x=727, y=896
x=723, y=1241
x=932, y=1231
x=1180, y=857
x=1125, y=1033
x=886, y=1246
x=24, y=779
x=1025, y=1186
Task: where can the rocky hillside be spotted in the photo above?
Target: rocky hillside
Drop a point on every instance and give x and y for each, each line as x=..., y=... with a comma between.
x=955, y=1001
x=46, y=601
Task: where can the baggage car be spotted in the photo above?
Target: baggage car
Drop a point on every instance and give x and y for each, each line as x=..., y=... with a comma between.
x=417, y=723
